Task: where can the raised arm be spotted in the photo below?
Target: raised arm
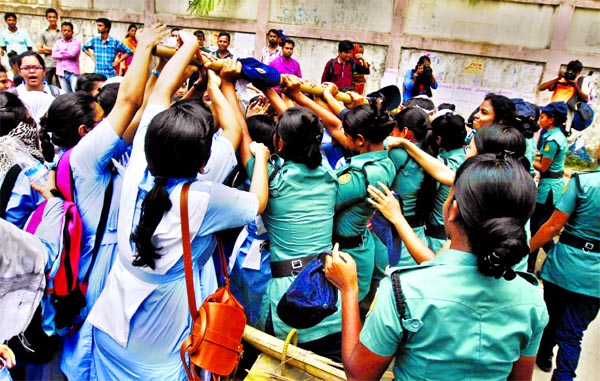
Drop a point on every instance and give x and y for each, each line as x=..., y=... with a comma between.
x=387, y=204
x=332, y=123
x=131, y=91
x=129, y=133
x=436, y=169
x=170, y=78
x=259, y=184
x=228, y=108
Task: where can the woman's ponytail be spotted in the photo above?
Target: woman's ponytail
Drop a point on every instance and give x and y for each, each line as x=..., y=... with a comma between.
x=154, y=206
x=500, y=243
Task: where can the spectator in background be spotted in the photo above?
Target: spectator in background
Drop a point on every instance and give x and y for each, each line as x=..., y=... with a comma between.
x=569, y=87
x=103, y=50
x=285, y=64
x=66, y=51
x=201, y=39
x=5, y=83
x=340, y=70
x=358, y=78
x=13, y=73
x=419, y=80
x=47, y=40
x=272, y=50
x=281, y=36
x=195, y=75
x=131, y=42
x=90, y=83
x=566, y=84
x=13, y=38
x=223, y=46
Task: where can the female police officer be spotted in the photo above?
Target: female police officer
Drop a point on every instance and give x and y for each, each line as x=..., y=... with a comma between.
x=553, y=152
x=365, y=128
x=477, y=320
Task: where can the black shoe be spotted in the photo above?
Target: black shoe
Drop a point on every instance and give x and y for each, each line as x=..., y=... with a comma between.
x=544, y=363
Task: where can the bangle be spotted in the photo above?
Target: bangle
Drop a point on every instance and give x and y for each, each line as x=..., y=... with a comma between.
x=155, y=72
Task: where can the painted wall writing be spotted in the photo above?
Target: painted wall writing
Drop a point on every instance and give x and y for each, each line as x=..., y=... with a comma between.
x=465, y=80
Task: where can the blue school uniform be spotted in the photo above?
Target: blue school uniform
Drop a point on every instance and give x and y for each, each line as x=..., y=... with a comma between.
x=141, y=317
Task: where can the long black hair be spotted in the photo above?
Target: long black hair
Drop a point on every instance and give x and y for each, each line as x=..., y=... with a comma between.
x=417, y=121
x=496, y=196
x=450, y=127
x=177, y=145
x=12, y=112
x=371, y=121
x=301, y=132
x=63, y=119
x=504, y=109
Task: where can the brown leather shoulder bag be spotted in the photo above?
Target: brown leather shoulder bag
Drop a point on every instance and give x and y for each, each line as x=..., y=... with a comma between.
x=215, y=343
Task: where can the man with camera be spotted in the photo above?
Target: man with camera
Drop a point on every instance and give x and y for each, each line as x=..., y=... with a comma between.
x=419, y=80
x=569, y=87
x=567, y=84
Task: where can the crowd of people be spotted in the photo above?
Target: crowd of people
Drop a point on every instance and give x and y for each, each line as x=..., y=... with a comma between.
x=433, y=220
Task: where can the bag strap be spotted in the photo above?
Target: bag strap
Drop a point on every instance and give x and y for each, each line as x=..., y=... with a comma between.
x=7, y=187
x=64, y=176
x=400, y=302
x=187, y=250
x=223, y=261
x=108, y=193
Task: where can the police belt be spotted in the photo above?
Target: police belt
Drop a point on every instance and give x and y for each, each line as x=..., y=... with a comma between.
x=348, y=242
x=580, y=243
x=290, y=267
x=413, y=221
x=552, y=175
x=435, y=231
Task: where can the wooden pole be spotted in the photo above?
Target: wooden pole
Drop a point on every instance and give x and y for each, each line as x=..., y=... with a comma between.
x=167, y=52
x=313, y=364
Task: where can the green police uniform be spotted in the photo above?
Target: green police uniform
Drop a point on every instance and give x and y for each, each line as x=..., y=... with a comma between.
x=462, y=325
x=530, y=149
x=554, y=146
x=353, y=211
x=435, y=232
x=409, y=178
x=576, y=268
x=299, y=219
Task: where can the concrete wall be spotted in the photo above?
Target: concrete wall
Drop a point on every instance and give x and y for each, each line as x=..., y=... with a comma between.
x=507, y=46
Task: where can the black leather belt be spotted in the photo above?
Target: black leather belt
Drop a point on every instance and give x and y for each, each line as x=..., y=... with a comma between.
x=347, y=242
x=552, y=175
x=290, y=267
x=580, y=243
x=414, y=221
x=436, y=231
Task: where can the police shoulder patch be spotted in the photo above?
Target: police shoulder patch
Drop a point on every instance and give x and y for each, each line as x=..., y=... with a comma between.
x=345, y=178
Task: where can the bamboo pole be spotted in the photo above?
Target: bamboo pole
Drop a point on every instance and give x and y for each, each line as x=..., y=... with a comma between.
x=167, y=52
x=313, y=364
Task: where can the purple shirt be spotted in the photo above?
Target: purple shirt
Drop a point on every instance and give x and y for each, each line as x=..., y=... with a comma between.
x=67, y=54
x=284, y=66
